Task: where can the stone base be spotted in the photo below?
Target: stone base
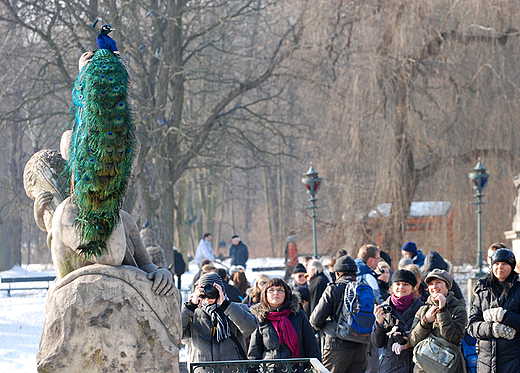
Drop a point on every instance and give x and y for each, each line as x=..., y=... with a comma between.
x=107, y=319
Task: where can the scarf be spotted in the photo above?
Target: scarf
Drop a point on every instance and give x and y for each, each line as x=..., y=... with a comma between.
x=285, y=330
x=402, y=304
x=220, y=321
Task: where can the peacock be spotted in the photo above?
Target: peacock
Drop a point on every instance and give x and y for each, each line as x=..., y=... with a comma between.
x=102, y=145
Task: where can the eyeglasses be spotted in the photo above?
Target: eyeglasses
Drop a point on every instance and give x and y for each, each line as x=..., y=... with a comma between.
x=272, y=291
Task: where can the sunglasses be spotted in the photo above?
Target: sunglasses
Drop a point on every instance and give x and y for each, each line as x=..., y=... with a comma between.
x=262, y=283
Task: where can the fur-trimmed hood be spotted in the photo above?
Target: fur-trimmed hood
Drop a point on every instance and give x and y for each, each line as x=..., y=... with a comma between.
x=261, y=312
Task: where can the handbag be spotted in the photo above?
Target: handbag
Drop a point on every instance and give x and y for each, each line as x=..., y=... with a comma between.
x=434, y=354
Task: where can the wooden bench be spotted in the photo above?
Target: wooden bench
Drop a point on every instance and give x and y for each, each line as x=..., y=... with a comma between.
x=12, y=280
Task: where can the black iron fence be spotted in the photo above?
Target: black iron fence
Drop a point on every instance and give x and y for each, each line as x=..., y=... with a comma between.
x=260, y=366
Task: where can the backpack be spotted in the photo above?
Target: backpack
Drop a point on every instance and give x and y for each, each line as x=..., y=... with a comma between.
x=469, y=350
x=356, y=316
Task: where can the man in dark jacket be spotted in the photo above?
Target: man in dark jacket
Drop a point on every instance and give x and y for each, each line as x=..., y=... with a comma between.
x=317, y=283
x=339, y=356
x=238, y=252
x=494, y=318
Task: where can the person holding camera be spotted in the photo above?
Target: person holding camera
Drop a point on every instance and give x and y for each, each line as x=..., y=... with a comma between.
x=215, y=329
x=394, y=319
x=443, y=316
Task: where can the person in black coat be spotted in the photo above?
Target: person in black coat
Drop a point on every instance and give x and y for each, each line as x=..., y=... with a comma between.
x=275, y=338
x=238, y=252
x=403, y=303
x=494, y=318
x=317, y=284
x=232, y=292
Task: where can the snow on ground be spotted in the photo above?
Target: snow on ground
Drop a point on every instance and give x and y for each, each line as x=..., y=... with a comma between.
x=22, y=315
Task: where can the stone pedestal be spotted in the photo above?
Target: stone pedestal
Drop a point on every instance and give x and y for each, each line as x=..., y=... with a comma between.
x=102, y=318
x=515, y=246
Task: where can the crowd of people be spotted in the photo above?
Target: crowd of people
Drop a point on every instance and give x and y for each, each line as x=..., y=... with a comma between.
x=415, y=310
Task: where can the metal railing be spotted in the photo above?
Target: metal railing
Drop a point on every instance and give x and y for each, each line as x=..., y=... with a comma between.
x=260, y=366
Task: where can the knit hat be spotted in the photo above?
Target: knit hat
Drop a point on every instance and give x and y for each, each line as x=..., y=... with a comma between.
x=345, y=264
x=305, y=294
x=411, y=247
x=299, y=268
x=405, y=276
x=441, y=274
x=504, y=255
x=211, y=278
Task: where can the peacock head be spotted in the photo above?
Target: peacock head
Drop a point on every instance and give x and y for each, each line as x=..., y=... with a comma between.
x=107, y=29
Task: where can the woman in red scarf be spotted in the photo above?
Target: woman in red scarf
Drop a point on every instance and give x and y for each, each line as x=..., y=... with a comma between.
x=394, y=319
x=284, y=330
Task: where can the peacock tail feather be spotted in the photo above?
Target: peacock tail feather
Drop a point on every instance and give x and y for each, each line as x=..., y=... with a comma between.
x=102, y=149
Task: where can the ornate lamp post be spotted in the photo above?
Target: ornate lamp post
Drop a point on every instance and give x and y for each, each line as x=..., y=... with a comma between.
x=479, y=180
x=312, y=183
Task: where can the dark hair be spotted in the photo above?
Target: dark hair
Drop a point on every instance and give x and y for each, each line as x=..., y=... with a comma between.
x=340, y=253
x=222, y=273
x=206, y=235
x=204, y=262
x=235, y=236
x=240, y=280
x=276, y=282
x=497, y=245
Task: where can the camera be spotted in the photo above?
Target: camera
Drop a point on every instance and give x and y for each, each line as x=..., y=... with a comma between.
x=210, y=292
x=386, y=308
x=396, y=337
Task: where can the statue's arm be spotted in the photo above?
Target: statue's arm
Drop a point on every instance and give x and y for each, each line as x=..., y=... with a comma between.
x=40, y=206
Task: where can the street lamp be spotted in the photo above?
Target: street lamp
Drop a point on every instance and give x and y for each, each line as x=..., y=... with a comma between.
x=312, y=184
x=479, y=180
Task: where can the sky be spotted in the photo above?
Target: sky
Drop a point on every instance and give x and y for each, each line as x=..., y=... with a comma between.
x=23, y=314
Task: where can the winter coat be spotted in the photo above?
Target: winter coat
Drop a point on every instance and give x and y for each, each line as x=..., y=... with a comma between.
x=239, y=254
x=367, y=275
x=197, y=332
x=204, y=251
x=265, y=344
x=384, y=289
x=496, y=355
x=317, y=286
x=435, y=260
x=179, y=265
x=390, y=362
x=327, y=309
x=419, y=258
x=233, y=293
x=449, y=324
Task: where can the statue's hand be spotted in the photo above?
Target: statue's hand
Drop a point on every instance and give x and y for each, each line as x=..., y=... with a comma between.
x=40, y=205
x=162, y=281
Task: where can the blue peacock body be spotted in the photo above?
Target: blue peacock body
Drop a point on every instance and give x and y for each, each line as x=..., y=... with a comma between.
x=102, y=148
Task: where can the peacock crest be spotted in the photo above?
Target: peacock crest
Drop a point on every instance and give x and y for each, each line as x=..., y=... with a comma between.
x=102, y=148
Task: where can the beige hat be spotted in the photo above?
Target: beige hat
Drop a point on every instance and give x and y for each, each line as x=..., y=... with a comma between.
x=441, y=274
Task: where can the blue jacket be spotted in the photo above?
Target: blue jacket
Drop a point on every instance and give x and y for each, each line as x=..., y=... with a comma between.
x=367, y=275
x=239, y=254
x=419, y=258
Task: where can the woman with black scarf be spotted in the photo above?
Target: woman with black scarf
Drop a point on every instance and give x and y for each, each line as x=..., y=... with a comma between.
x=215, y=329
x=494, y=318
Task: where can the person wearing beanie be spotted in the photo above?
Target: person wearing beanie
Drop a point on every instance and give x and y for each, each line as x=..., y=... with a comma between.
x=339, y=356
x=390, y=326
x=443, y=315
x=435, y=260
x=409, y=250
x=494, y=318
x=213, y=328
x=299, y=277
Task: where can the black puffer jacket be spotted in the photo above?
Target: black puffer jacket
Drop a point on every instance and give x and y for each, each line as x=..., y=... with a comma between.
x=390, y=362
x=317, y=285
x=496, y=355
x=265, y=343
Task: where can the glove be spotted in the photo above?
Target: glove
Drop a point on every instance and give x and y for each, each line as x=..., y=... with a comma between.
x=397, y=348
x=494, y=314
x=503, y=331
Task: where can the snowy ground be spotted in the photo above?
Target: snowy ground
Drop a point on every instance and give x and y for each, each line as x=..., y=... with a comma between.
x=22, y=315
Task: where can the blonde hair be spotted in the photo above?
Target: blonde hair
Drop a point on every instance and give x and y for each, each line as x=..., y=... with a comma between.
x=414, y=268
x=382, y=264
x=256, y=293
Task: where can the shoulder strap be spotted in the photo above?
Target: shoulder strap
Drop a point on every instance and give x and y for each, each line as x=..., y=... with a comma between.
x=239, y=346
